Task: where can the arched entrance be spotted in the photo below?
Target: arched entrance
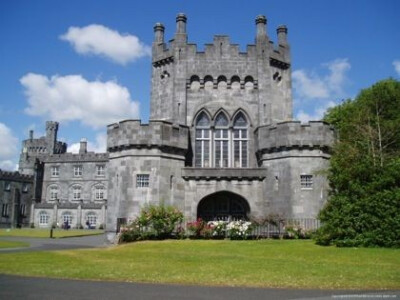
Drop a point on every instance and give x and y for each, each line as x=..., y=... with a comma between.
x=223, y=206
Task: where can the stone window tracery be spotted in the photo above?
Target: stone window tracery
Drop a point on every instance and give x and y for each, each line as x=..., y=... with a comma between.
x=99, y=192
x=202, y=144
x=54, y=192
x=76, y=192
x=240, y=141
x=224, y=145
x=221, y=141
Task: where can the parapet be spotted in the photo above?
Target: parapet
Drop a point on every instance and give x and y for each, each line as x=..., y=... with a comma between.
x=294, y=134
x=73, y=157
x=40, y=146
x=130, y=134
x=15, y=176
x=164, y=53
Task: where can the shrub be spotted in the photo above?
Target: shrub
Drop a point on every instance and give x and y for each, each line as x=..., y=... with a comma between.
x=154, y=222
x=195, y=229
x=238, y=230
x=159, y=221
x=297, y=232
x=219, y=228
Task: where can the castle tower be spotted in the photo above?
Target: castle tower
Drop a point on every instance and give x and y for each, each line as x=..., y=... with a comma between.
x=264, y=67
x=36, y=148
x=169, y=74
x=51, y=136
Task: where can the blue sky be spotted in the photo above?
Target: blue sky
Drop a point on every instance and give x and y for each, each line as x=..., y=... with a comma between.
x=86, y=63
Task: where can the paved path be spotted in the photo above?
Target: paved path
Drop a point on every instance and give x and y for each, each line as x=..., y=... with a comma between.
x=40, y=244
x=13, y=287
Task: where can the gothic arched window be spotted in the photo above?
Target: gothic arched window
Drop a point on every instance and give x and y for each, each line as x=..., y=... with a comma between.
x=221, y=141
x=240, y=141
x=202, y=144
x=223, y=145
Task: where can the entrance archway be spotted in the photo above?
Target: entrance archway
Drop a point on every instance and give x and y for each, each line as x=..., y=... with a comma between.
x=223, y=206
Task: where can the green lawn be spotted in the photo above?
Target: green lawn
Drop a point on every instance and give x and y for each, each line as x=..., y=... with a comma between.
x=12, y=244
x=265, y=263
x=45, y=233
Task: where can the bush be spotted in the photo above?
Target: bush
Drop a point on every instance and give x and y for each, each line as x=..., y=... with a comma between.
x=195, y=229
x=235, y=230
x=238, y=230
x=297, y=232
x=154, y=222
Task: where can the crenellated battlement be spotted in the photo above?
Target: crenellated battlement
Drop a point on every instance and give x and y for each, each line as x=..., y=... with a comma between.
x=40, y=146
x=221, y=48
x=294, y=134
x=73, y=157
x=130, y=134
x=15, y=176
x=181, y=73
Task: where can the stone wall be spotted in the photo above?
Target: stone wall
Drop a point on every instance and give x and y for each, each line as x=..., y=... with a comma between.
x=184, y=80
x=16, y=191
x=156, y=150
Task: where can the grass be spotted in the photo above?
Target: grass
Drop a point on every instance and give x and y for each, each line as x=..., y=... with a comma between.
x=12, y=244
x=265, y=263
x=45, y=233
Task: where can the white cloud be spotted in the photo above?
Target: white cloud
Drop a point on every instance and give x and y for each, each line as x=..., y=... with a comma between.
x=396, y=64
x=72, y=97
x=100, y=145
x=8, y=148
x=337, y=77
x=309, y=85
x=100, y=40
x=316, y=115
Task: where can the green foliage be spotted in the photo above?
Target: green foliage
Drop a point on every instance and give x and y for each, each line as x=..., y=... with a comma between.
x=364, y=205
x=154, y=222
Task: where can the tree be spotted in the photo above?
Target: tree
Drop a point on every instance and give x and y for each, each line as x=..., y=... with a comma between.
x=364, y=204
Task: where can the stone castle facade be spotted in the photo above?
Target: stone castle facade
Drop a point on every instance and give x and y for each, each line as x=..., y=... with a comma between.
x=220, y=144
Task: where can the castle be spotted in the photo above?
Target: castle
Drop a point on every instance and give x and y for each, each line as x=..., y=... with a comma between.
x=220, y=143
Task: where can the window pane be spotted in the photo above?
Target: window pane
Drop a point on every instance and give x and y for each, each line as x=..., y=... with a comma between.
x=244, y=154
x=202, y=120
x=206, y=153
x=225, y=154
x=240, y=121
x=198, y=133
x=221, y=120
x=142, y=180
x=218, y=154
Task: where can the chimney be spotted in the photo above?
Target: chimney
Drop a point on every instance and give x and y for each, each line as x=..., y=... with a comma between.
x=31, y=135
x=180, y=35
x=261, y=24
x=83, y=146
x=282, y=35
x=159, y=33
